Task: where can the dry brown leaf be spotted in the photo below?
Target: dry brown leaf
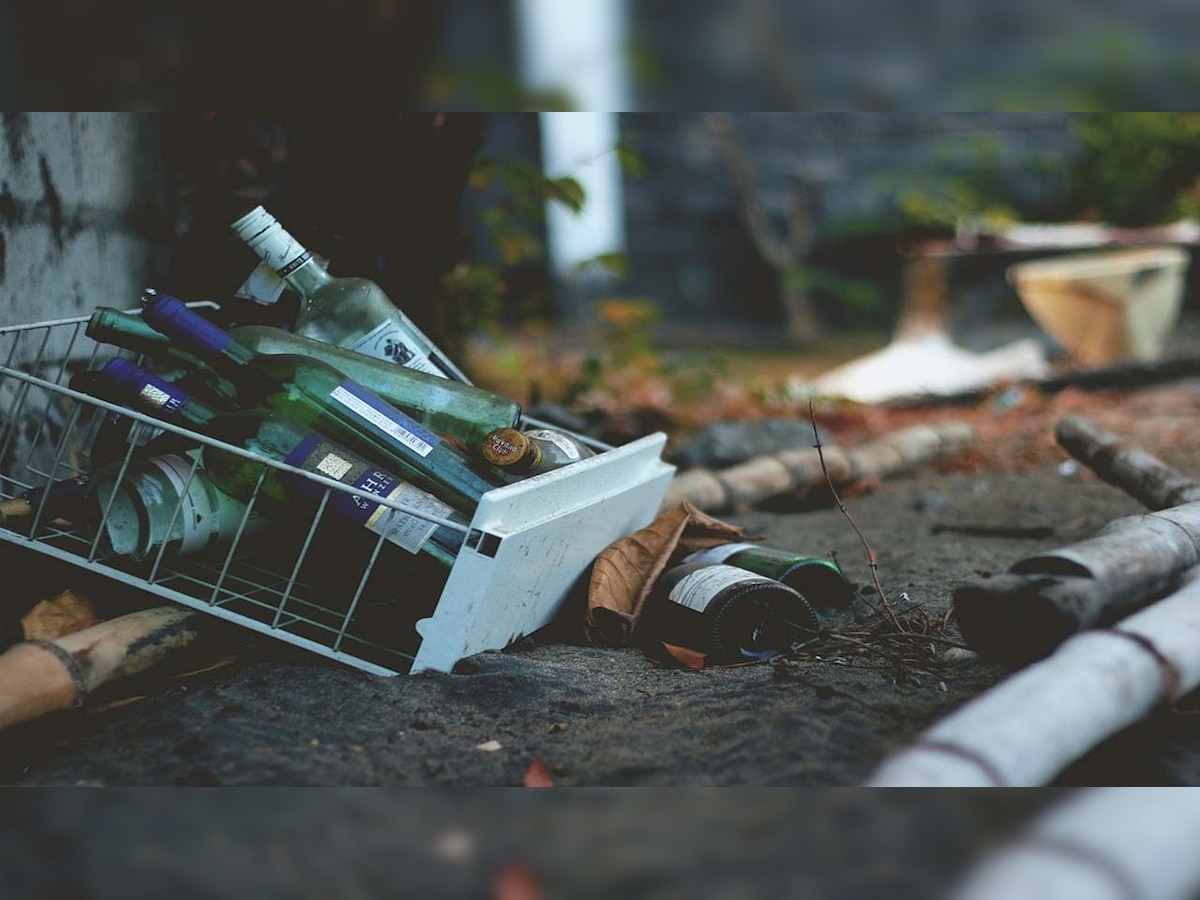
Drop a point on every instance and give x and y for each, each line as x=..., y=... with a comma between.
x=537, y=775
x=625, y=572
x=689, y=659
x=58, y=616
x=516, y=882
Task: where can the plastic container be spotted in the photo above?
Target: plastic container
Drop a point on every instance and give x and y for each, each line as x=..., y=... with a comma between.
x=526, y=546
x=1105, y=307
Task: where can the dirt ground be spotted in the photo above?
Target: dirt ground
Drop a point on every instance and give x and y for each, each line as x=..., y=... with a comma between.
x=614, y=717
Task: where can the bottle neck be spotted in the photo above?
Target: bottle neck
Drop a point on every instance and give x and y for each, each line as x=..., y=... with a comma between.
x=308, y=278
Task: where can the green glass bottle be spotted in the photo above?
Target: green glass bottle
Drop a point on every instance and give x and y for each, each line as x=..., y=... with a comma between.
x=461, y=411
x=726, y=613
x=351, y=312
x=819, y=581
x=277, y=437
x=322, y=398
x=172, y=362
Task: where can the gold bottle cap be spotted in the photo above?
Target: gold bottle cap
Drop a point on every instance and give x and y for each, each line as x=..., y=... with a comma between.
x=506, y=447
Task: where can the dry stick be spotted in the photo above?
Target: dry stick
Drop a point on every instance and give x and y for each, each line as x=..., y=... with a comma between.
x=1124, y=465
x=867, y=548
x=1027, y=729
x=785, y=472
x=41, y=677
x=1044, y=599
x=1102, y=844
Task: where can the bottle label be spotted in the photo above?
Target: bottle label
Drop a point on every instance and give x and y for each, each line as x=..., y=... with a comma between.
x=696, y=591
x=390, y=342
x=717, y=554
x=385, y=417
x=194, y=515
x=561, y=441
x=157, y=395
x=322, y=457
x=263, y=286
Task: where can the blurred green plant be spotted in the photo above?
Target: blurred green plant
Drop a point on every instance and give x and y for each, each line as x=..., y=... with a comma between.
x=1139, y=168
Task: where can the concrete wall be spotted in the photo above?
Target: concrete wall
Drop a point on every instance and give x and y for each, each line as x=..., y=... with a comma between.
x=82, y=224
x=82, y=197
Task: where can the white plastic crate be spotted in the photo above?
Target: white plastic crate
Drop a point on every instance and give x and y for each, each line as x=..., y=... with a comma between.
x=527, y=544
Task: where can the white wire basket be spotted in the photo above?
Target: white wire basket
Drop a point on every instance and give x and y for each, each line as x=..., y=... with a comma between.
x=341, y=592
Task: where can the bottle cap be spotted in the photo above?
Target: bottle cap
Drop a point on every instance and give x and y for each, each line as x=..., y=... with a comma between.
x=172, y=317
x=506, y=447
x=265, y=236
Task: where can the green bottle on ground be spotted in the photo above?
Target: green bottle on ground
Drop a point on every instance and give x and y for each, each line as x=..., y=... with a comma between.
x=819, y=581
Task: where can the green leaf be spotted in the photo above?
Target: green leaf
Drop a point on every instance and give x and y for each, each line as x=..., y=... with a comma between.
x=567, y=191
x=616, y=264
x=631, y=161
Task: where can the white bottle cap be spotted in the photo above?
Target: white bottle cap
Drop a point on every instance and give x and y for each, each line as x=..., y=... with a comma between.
x=266, y=237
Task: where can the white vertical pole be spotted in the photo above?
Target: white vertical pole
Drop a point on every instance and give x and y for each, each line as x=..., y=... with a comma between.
x=578, y=48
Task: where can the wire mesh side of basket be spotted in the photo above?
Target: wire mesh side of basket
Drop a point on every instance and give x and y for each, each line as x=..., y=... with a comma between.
x=323, y=584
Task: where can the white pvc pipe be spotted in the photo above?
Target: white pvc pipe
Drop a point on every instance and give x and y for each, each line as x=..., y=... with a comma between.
x=1101, y=844
x=578, y=48
x=1027, y=729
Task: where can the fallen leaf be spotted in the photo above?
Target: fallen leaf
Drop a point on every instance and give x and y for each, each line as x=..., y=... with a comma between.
x=516, y=882
x=689, y=659
x=58, y=616
x=537, y=775
x=489, y=746
x=625, y=572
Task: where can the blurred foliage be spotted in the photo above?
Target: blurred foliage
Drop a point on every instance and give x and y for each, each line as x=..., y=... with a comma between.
x=477, y=292
x=1140, y=168
x=857, y=295
x=1135, y=169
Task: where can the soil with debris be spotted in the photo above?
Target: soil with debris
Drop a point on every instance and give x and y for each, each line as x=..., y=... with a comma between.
x=277, y=716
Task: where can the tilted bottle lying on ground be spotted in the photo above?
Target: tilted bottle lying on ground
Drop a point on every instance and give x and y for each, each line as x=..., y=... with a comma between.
x=523, y=454
x=277, y=437
x=351, y=312
x=819, y=581
x=320, y=397
x=451, y=408
x=727, y=613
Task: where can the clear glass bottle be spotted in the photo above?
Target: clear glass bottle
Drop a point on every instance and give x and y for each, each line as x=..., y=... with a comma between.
x=451, y=408
x=320, y=397
x=726, y=612
x=526, y=453
x=819, y=581
x=277, y=437
x=351, y=312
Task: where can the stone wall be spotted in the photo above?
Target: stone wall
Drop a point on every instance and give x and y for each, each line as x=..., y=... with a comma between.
x=688, y=248
x=82, y=224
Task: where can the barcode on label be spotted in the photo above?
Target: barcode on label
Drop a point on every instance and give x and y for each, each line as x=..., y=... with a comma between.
x=381, y=421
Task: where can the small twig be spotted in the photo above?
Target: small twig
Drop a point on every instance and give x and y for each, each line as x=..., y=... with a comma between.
x=871, y=561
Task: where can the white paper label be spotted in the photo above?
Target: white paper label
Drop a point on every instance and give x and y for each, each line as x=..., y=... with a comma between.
x=717, y=554
x=561, y=441
x=333, y=466
x=379, y=420
x=408, y=532
x=389, y=341
x=263, y=286
x=696, y=590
